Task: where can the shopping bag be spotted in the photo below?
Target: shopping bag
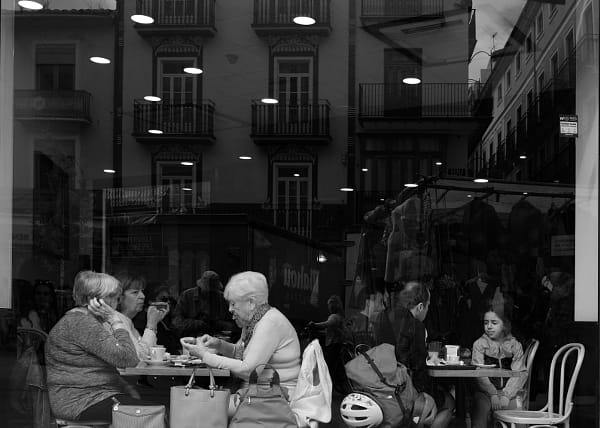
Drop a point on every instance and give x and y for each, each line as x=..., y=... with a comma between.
x=198, y=407
x=263, y=405
x=312, y=397
x=137, y=416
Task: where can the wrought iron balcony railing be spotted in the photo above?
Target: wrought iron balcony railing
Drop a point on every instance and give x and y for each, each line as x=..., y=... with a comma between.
x=279, y=14
x=381, y=100
x=291, y=120
x=33, y=104
x=296, y=220
x=197, y=16
x=188, y=120
x=162, y=199
x=404, y=9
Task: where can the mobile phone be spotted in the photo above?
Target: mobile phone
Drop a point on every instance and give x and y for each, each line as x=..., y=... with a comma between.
x=160, y=305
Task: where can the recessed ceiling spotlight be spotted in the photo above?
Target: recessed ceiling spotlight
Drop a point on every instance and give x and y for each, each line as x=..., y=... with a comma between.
x=411, y=80
x=187, y=163
x=187, y=189
x=438, y=163
x=522, y=157
x=469, y=196
x=269, y=101
x=193, y=70
x=346, y=189
x=152, y=98
x=481, y=180
x=109, y=171
x=411, y=185
x=99, y=60
x=525, y=193
x=245, y=157
x=304, y=20
x=296, y=174
x=32, y=5
x=365, y=169
x=142, y=19
x=155, y=131
x=382, y=199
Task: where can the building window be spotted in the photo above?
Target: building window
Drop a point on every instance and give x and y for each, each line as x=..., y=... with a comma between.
x=541, y=81
x=55, y=67
x=508, y=80
x=518, y=62
x=177, y=187
x=294, y=90
x=529, y=44
x=178, y=91
x=499, y=94
x=292, y=197
x=552, y=10
x=554, y=66
x=540, y=24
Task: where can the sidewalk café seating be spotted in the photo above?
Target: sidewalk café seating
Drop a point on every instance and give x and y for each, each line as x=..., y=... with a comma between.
x=529, y=357
x=557, y=410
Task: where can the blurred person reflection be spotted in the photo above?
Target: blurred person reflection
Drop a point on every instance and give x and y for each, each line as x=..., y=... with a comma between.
x=160, y=295
x=41, y=314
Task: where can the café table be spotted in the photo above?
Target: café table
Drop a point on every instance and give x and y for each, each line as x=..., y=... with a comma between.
x=462, y=372
x=145, y=369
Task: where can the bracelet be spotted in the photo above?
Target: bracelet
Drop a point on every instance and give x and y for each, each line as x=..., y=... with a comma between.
x=151, y=329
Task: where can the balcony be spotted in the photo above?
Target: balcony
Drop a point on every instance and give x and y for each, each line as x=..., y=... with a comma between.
x=191, y=123
x=428, y=100
x=295, y=220
x=191, y=17
x=67, y=106
x=378, y=12
x=275, y=16
x=276, y=123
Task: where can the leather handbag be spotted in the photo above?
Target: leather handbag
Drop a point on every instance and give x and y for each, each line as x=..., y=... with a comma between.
x=137, y=416
x=263, y=405
x=198, y=407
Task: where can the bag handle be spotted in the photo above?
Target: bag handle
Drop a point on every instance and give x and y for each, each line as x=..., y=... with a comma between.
x=254, y=375
x=211, y=386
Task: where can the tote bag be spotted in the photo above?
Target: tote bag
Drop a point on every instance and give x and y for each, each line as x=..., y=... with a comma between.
x=198, y=407
x=263, y=405
x=137, y=416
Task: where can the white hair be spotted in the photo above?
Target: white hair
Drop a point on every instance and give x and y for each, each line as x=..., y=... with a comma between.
x=247, y=285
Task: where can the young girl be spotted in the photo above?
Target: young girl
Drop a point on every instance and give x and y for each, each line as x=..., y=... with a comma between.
x=496, y=346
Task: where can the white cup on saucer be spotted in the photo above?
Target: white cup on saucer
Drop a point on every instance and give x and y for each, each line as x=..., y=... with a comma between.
x=157, y=353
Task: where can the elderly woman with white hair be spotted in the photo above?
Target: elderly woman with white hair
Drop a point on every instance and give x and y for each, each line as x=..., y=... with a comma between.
x=267, y=337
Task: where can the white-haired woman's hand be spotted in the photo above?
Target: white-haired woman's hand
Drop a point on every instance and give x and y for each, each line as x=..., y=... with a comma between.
x=212, y=344
x=103, y=311
x=195, y=347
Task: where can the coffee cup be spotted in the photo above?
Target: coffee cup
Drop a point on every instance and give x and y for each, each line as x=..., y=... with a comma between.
x=433, y=357
x=451, y=351
x=157, y=353
x=452, y=359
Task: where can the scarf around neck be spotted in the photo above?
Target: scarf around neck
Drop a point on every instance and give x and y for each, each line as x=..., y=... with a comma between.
x=248, y=331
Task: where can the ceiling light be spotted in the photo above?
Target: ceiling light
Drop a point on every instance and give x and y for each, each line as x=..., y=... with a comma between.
x=346, y=189
x=522, y=157
x=365, y=169
x=411, y=185
x=438, y=163
x=269, y=101
x=193, y=70
x=187, y=163
x=32, y=5
x=525, y=193
x=245, y=157
x=382, y=199
x=411, y=80
x=109, y=171
x=142, y=19
x=296, y=174
x=187, y=189
x=481, y=180
x=321, y=258
x=152, y=98
x=155, y=131
x=469, y=196
x=304, y=20
x=100, y=60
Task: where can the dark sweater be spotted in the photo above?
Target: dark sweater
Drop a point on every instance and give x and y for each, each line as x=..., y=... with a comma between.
x=82, y=359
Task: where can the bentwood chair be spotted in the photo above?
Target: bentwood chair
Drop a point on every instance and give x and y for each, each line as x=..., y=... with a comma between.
x=557, y=410
x=529, y=357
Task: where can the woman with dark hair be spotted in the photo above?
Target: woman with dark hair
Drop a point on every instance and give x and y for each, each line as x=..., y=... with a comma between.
x=41, y=313
x=402, y=326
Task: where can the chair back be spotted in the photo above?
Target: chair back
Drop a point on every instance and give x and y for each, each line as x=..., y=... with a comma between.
x=529, y=357
x=567, y=361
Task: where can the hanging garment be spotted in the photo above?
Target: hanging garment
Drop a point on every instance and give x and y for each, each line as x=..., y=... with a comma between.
x=526, y=228
x=409, y=237
x=481, y=227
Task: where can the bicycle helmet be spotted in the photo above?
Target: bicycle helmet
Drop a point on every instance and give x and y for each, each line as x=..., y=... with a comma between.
x=424, y=410
x=360, y=410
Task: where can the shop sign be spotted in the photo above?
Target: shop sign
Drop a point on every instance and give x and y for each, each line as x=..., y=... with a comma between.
x=562, y=245
x=135, y=245
x=568, y=125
